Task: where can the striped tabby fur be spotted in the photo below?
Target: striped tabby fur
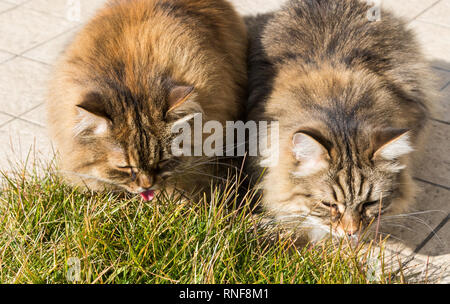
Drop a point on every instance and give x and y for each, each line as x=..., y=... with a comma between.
x=352, y=97
x=134, y=70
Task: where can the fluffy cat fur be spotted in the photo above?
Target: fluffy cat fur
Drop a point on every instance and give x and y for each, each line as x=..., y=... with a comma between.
x=352, y=97
x=134, y=70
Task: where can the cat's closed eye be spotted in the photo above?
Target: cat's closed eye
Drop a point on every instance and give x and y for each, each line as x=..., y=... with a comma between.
x=129, y=169
x=371, y=204
x=330, y=205
x=163, y=163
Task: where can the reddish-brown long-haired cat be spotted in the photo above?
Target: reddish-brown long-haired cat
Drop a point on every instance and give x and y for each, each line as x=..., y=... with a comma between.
x=137, y=68
x=351, y=97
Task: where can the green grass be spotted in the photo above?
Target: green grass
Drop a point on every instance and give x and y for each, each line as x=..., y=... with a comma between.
x=45, y=224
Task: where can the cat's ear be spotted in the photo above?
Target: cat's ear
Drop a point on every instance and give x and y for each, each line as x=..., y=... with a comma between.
x=92, y=115
x=312, y=155
x=179, y=95
x=180, y=100
x=392, y=144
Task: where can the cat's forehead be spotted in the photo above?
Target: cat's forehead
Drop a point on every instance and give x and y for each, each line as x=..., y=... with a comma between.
x=354, y=184
x=133, y=123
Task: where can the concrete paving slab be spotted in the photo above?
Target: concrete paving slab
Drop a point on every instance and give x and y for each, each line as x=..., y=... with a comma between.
x=433, y=39
x=71, y=10
x=254, y=7
x=4, y=118
x=22, y=29
x=4, y=56
x=16, y=1
x=37, y=116
x=433, y=162
x=438, y=14
x=22, y=85
x=410, y=11
x=421, y=222
x=22, y=141
x=443, y=106
x=4, y=6
x=49, y=52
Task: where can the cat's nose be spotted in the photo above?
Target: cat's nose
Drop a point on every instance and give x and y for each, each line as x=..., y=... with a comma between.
x=350, y=223
x=352, y=230
x=351, y=233
x=146, y=182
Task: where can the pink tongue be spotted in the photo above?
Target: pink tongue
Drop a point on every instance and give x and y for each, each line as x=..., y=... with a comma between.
x=148, y=195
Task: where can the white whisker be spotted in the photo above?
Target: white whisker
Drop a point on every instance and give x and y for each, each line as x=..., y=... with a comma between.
x=399, y=225
x=419, y=220
x=415, y=213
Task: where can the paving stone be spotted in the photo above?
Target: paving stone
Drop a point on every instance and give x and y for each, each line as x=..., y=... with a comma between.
x=438, y=14
x=16, y=1
x=407, y=11
x=441, y=75
x=21, y=141
x=4, y=118
x=37, y=116
x=432, y=162
x=432, y=263
x=49, y=52
x=253, y=7
x=443, y=263
x=416, y=268
x=22, y=29
x=400, y=261
x=4, y=56
x=414, y=226
x=67, y=9
x=22, y=85
x=441, y=105
x=5, y=6
x=431, y=39
x=442, y=111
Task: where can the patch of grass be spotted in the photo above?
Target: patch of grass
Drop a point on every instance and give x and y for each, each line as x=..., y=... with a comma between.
x=49, y=230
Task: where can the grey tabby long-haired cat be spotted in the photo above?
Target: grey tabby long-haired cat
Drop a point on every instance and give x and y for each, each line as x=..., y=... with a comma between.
x=352, y=98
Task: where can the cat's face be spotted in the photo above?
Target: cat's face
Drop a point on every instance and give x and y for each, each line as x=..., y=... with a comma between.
x=340, y=185
x=130, y=160
x=128, y=146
